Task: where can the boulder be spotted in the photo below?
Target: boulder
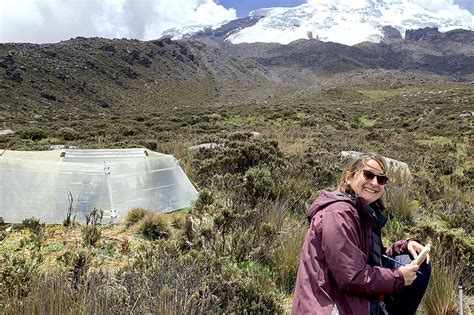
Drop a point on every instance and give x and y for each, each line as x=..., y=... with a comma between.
x=393, y=165
x=6, y=132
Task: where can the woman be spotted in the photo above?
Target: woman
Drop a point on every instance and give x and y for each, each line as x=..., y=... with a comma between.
x=341, y=269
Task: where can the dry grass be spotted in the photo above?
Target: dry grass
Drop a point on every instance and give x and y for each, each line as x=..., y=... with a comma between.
x=441, y=297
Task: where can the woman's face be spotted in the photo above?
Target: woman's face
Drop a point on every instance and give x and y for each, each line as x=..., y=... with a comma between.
x=369, y=190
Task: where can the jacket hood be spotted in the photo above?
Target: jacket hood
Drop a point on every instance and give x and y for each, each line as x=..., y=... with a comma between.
x=326, y=198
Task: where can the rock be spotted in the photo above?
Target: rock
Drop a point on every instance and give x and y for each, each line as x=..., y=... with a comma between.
x=393, y=165
x=14, y=74
x=6, y=61
x=423, y=34
x=466, y=114
x=129, y=72
x=108, y=48
x=57, y=147
x=47, y=96
x=104, y=104
x=210, y=145
x=390, y=32
x=255, y=134
x=6, y=132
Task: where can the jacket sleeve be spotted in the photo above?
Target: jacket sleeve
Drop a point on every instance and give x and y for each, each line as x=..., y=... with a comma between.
x=399, y=247
x=347, y=262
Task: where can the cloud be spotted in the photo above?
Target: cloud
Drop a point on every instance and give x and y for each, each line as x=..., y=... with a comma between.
x=41, y=21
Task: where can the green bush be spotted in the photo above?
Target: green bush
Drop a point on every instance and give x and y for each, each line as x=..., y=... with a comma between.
x=32, y=133
x=16, y=273
x=258, y=183
x=205, y=198
x=235, y=157
x=30, y=223
x=69, y=134
x=3, y=225
x=91, y=232
x=77, y=264
x=230, y=290
x=135, y=215
x=155, y=227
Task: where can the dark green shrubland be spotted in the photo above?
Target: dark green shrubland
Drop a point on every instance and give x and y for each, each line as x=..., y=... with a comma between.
x=235, y=250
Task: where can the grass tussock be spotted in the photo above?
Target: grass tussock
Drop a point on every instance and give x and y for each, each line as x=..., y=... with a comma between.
x=442, y=293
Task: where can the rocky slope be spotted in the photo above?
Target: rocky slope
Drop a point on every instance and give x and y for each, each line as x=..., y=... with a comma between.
x=96, y=76
x=101, y=76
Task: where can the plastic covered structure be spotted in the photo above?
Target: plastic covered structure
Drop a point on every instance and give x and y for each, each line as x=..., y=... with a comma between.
x=49, y=184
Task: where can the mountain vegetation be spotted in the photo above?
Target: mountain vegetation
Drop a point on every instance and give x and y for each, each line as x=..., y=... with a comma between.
x=281, y=115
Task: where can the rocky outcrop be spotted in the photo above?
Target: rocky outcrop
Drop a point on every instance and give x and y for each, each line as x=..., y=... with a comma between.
x=423, y=34
x=391, y=33
x=431, y=34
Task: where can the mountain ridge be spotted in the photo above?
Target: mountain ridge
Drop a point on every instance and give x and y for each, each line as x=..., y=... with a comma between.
x=96, y=76
x=336, y=21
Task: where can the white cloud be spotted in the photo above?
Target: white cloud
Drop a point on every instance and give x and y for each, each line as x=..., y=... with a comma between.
x=434, y=5
x=40, y=21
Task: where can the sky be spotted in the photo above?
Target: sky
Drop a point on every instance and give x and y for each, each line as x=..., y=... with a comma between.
x=47, y=21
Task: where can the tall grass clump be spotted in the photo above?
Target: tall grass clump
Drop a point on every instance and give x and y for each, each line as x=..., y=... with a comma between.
x=287, y=257
x=154, y=226
x=135, y=215
x=400, y=205
x=441, y=297
x=456, y=207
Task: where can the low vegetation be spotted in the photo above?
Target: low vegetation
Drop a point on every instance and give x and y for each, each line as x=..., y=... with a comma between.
x=236, y=249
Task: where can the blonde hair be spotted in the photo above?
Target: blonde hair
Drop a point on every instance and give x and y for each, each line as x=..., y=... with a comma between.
x=356, y=164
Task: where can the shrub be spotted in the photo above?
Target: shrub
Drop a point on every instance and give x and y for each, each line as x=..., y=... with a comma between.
x=2, y=223
x=16, y=273
x=259, y=184
x=235, y=157
x=205, y=198
x=69, y=134
x=77, y=263
x=450, y=243
x=324, y=169
x=31, y=223
x=32, y=133
x=91, y=232
x=135, y=215
x=155, y=227
x=69, y=221
x=395, y=230
x=230, y=290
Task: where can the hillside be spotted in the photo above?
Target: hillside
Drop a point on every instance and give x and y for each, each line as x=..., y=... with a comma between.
x=281, y=116
x=428, y=50
x=100, y=76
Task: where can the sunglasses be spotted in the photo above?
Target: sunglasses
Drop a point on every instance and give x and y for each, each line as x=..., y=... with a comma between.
x=381, y=179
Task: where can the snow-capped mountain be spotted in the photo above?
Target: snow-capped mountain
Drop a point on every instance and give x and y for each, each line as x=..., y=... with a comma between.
x=342, y=21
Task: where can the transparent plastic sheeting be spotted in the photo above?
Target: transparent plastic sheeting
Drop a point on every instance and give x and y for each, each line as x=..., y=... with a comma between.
x=111, y=180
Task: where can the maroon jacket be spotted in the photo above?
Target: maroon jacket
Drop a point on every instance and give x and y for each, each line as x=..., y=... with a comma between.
x=333, y=265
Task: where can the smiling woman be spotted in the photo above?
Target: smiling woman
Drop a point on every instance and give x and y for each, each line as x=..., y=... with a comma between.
x=343, y=269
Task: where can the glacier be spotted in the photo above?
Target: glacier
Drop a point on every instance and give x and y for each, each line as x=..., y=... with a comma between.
x=345, y=22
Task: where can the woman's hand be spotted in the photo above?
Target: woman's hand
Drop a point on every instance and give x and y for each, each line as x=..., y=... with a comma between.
x=414, y=248
x=409, y=273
